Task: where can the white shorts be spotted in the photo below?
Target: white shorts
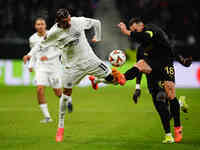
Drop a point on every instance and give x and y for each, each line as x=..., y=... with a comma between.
x=73, y=75
x=52, y=79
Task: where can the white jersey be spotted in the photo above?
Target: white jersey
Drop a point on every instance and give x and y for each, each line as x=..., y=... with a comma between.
x=72, y=42
x=52, y=64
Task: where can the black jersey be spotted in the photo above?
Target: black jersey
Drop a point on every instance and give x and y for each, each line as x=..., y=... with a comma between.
x=154, y=43
x=155, y=48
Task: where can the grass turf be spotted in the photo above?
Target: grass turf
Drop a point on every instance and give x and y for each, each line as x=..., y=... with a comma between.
x=103, y=120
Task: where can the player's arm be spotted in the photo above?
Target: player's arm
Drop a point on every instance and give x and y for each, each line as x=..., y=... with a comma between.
x=51, y=36
x=185, y=61
x=34, y=50
x=89, y=23
x=31, y=64
x=124, y=29
x=136, y=36
x=28, y=56
x=49, y=40
x=182, y=60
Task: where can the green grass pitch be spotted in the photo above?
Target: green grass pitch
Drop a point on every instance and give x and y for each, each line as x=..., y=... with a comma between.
x=106, y=119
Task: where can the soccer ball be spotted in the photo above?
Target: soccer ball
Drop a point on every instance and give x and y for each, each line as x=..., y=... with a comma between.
x=117, y=58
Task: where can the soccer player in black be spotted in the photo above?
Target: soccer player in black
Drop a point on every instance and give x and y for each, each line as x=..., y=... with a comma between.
x=157, y=63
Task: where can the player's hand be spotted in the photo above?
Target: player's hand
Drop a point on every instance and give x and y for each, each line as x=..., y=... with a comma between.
x=94, y=40
x=186, y=61
x=124, y=29
x=26, y=58
x=30, y=69
x=136, y=95
x=122, y=26
x=44, y=58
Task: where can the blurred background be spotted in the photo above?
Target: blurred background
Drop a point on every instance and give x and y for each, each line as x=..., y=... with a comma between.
x=180, y=19
x=106, y=119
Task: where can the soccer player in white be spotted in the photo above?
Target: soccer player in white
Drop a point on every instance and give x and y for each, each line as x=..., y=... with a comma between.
x=78, y=57
x=47, y=68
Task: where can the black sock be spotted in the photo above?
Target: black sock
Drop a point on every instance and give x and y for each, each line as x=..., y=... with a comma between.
x=131, y=73
x=109, y=78
x=139, y=78
x=175, y=111
x=163, y=111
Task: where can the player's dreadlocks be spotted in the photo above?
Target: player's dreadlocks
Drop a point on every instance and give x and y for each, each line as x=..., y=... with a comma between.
x=61, y=13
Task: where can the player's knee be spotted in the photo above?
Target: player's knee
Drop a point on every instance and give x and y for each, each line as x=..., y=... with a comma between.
x=171, y=96
x=40, y=90
x=141, y=61
x=67, y=92
x=161, y=96
x=143, y=66
x=170, y=89
x=139, y=65
x=160, y=102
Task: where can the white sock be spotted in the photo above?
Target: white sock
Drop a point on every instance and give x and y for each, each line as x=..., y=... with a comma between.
x=62, y=110
x=137, y=86
x=45, y=111
x=69, y=99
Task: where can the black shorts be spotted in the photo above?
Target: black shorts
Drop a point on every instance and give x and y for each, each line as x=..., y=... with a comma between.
x=161, y=71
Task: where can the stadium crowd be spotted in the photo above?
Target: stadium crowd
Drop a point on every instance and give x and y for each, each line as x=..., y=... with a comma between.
x=179, y=18
x=17, y=19
x=17, y=16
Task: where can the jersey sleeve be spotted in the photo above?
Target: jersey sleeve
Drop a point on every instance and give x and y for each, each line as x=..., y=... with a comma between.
x=34, y=50
x=51, y=34
x=142, y=36
x=55, y=53
x=50, y=38
x=89, y=23
x=30, y=43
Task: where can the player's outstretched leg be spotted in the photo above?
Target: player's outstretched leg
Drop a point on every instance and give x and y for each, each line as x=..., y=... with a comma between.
x=118, y=77
x=95, y=81
x=115, y=78
x=43, y=104
x=140, y=66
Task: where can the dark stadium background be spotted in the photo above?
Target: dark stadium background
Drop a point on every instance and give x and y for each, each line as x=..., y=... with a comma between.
x=106, y=119
x=179, y=18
